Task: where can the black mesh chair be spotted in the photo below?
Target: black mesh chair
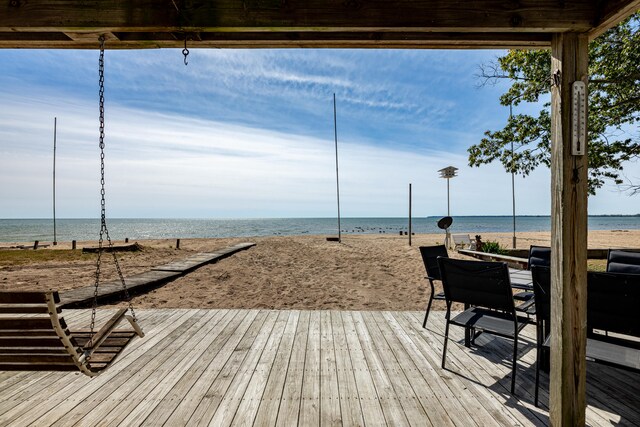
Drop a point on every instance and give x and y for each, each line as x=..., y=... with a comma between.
x=612, y=306
x=485, y=288
x=542, y=289
x=621, y=261
x=539, y=255
x=430, y=256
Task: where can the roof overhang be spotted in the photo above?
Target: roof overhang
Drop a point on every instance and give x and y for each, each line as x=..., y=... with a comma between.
x=417, y=24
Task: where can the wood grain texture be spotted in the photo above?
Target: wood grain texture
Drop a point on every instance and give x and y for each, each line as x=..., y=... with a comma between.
x=149, y=15
x=568, y=238
x=264, y=368
x=143, y=24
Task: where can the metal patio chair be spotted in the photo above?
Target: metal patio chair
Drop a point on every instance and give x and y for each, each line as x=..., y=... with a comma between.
x=485, y=288
x=430, y=256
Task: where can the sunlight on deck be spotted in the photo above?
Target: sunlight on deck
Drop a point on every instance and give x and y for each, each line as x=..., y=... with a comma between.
x=264, y=367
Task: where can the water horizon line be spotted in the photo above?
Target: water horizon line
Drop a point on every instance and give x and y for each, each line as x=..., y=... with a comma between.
x=304, y=217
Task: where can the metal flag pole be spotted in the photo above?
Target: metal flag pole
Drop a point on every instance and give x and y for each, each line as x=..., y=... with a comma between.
x=513, y=182
x=55, y=125
x=409, y=214
x=335, y=133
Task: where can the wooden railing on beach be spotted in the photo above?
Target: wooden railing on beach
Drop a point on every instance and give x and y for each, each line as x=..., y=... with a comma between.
x=512, y=261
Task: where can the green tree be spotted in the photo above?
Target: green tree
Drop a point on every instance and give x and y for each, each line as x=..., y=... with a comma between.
x=614, y=108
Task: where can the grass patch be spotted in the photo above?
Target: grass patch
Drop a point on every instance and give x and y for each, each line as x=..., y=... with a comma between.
x=597, y=265
x=26, y=256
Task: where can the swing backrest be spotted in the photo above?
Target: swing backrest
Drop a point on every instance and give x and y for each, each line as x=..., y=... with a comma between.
x=32, y=334
x=35, y=337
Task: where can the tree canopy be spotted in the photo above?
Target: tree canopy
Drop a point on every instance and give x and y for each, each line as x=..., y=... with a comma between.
x=614, y=108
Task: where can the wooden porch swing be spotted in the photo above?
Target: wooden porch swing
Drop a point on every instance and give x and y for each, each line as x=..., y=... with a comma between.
x=36, y=338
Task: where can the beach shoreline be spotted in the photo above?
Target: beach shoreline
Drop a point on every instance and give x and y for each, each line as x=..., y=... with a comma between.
x=364, y=272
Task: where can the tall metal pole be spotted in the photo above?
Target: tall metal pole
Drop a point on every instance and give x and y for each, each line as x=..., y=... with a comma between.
x=55, y=125
x=409, y=214
x=448, y=210
x=513, y=183
x=335, y=133
x=448, y=173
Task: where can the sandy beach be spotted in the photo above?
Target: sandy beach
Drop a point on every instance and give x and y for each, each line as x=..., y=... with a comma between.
x=364, y=272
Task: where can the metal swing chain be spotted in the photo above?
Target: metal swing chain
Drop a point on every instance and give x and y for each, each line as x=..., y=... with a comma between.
x=103, y=217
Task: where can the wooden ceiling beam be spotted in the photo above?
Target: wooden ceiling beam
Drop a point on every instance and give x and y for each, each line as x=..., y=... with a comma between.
x=613, y=12
x=137, y=24
x=328, y=15
x=445, y=21
x=139, y=40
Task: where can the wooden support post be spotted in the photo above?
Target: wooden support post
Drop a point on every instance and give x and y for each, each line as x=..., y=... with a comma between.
x=35, y=245
x=73, y=245
x=126, y=240
x=569, y=62
x=177, y=243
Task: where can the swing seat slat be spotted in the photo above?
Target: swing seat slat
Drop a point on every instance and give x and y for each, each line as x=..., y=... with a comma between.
x=24, y=308
x=39, y=343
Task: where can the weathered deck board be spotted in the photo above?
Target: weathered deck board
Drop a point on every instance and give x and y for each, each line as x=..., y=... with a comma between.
x=113, y=290
x=267, y=413
x=206, y=393
x=226, y=411
x=264, y=367
x=310, y=398
x=409, y=400
x=369, y=400
x=203, y=258
x=330, y=413
x=350, y=407
x=391, y=406
x=292, y=389
x=157, y=276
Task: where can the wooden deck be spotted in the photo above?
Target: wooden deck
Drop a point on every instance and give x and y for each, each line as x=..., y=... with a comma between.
x=307, y=368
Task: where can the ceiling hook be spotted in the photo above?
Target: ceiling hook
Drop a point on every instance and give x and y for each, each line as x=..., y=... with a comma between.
x=185, y=51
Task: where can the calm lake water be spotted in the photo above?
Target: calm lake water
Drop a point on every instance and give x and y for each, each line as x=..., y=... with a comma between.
x=26, y=230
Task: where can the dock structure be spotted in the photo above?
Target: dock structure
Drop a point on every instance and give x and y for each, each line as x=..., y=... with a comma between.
x=289, y=367
x=157, y=276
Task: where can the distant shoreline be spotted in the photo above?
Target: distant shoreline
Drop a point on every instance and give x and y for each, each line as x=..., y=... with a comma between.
x=68, y=229
x=306, y=218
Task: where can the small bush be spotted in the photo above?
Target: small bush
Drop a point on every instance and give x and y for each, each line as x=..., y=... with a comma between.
x=493, y=248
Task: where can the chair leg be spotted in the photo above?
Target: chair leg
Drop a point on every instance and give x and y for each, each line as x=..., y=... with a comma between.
x=426, y=314
x=539, y=333
x=535, y=394
x=446, y=337
x=474, y=334
x=513, y=369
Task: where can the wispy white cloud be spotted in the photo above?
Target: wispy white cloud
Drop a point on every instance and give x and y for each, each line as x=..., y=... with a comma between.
x=167, y=165
x=250, y=134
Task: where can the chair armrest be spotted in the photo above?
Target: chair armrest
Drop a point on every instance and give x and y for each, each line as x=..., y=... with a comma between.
x=104, y=332
x=135, y=326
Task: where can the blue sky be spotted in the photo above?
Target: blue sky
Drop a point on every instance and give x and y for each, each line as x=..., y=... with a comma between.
x=249, y=133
